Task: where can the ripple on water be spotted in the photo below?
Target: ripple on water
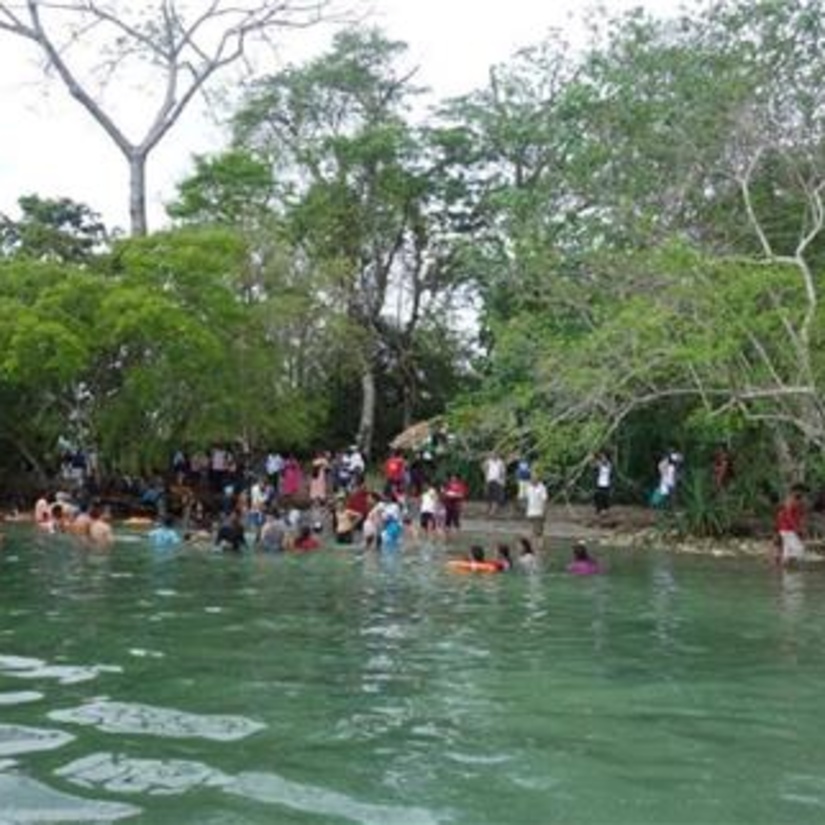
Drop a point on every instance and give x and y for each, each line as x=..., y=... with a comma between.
x=19, y=697
x=141, y=653
x=121, y=774
x=17, y=739
x=129, y=717
x=273, y=789
x=22, y=667
x=157, y=777
x=478, y=758
x=25, y=800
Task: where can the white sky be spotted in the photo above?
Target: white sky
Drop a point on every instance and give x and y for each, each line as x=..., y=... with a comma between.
x=51, y=147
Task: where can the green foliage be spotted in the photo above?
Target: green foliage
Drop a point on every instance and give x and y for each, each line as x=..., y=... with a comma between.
x=52, y=230
x=232, y=189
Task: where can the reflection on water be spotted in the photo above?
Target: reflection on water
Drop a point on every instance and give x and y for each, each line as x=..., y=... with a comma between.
x=274, y=789
x=171, y=777
x=125, y=717
x=121, y=774
x=22, y=667
x=17, y=739
x=26, y=800
x=357, y=687
x=19, y=697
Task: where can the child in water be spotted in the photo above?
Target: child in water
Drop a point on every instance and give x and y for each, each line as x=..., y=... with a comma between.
x=477, y=553
x=527, y=561
x=392, y=533
x=583, y=563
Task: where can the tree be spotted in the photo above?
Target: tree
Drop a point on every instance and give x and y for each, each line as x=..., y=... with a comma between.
x=359, y=191
x=232, y=189
x=52, y=229
x=174, y=46
x=669, y=258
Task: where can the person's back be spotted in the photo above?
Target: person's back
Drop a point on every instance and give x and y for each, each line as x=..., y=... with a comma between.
x=231, y=534
x=273, y=534
x=81, y=523
x=100, y=531
x=305, y=540
x=165, y=534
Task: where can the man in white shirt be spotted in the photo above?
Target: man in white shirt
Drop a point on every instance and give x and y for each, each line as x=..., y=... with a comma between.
x=274, y=466
x=604, y=481
x=357, y=465
x=495, y=476
x=536, y=505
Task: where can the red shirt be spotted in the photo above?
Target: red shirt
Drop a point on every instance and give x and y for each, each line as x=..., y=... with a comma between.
x=308, y=543
x=359, y=502
x=789, y=518
x=455, y=488
x=394, y=468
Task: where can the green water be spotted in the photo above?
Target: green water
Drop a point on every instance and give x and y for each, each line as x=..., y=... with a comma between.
x=340, y=688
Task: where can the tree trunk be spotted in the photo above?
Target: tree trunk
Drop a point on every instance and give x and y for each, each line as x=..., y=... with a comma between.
x=40, y=473
x=137, y=194
x=410, y=396
x=791, y=470
x=366, y=426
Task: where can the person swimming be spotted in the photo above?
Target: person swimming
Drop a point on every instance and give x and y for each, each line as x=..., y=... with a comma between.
x=583, y=564
x=305, y=541
x=165, y=535
x=503, y=558
x=528, y=561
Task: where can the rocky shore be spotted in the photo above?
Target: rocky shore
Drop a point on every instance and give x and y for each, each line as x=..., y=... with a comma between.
x=624, y=527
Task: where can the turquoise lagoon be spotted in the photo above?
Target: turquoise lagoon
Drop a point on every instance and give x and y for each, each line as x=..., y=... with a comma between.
x=343, y=687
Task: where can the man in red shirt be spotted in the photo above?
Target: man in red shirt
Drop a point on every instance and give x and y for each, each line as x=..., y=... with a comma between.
x=789, y=526
x=453, y=494
x=395, y=470
x=360, y=501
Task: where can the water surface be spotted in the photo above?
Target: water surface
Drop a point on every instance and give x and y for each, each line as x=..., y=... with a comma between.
x=346, y=688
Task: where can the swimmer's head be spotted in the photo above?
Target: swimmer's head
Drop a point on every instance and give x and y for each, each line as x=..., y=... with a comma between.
x=477, y=552
x=580, y=551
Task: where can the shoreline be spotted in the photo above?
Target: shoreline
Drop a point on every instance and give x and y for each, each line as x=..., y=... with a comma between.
x=621, y=528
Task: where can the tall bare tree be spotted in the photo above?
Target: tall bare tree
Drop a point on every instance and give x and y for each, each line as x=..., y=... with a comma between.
x=172, y=45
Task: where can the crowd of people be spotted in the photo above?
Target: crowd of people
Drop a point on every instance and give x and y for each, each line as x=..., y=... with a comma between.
x=289, y=506
x=285, y=504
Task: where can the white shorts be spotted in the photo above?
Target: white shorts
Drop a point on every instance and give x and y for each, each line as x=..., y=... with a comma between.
x=792, y=547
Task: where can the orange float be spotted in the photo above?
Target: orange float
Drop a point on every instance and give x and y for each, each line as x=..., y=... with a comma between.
x=469, y=566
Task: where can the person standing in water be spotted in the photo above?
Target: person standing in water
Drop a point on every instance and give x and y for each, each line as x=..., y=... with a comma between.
x=790, y=521
x=536, y=505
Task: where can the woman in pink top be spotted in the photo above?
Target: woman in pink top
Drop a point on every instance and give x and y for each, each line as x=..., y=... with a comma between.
x=318, y=480
x=292, y=478
x=583, y=564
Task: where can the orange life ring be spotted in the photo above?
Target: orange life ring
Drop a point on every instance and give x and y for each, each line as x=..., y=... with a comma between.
x=469, y=566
